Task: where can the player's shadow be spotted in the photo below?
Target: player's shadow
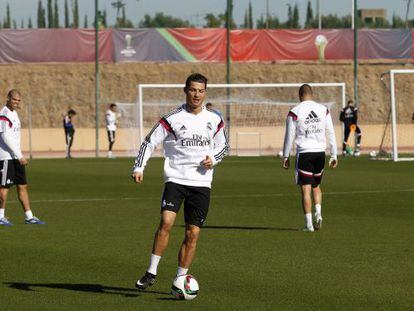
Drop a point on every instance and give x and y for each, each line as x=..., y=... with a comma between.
x=88, y=288
x=247, y=228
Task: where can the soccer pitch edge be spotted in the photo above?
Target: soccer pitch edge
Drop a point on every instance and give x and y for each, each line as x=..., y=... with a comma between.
x=339, y=193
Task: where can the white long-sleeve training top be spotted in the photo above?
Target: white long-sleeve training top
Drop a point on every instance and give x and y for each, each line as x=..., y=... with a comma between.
x=110, y=119
x=187, y=139
x=9, y=135
x=308, y=124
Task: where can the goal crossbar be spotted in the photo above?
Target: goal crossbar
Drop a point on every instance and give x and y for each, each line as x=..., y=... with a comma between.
x=141, y=87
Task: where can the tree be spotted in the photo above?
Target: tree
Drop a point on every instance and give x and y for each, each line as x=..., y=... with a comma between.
x=162, y=21
x=41, y=18
x=104, y=23
x=295, y=17
x=66, y=13
x=118, y=5
x=85, y=21
x=30, y=24
x=22, y=24
x=75, y=15
x=50, y=22
x=246, y=20
x=397, y=22
x=310, y=20
x=232, y=23
x=271, y=23
x=56, y=23
x=261, y=23
x=250, y=15
x=7, y=21
x=213, y=21
x=289, y=22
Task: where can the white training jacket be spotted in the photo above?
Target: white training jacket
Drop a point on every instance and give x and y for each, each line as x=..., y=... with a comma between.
x=110, y=119
x=9, y=135
x=308, y=124
x=187, y=139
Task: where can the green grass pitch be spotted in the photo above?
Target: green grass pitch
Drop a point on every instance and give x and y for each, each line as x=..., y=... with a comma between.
x=251, y=254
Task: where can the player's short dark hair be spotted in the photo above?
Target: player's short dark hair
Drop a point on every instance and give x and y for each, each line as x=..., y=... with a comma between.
x=72, y=112
x=350, y=101
x=209, y=104
x=13, y=92
x=195, y=77
x=112, y=106
x=304, y=90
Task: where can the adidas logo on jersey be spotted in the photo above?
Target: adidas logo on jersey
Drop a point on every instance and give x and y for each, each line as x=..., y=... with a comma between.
x=183, y=128
x=312, y=118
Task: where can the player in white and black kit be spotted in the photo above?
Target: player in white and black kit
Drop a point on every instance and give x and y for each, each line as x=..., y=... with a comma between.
x=111, y=123
x=12, y=161
x=307, y=125
x=194, y=141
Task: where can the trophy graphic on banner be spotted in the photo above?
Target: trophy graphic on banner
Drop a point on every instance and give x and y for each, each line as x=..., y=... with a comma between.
x=128, y=51
x=321, y=42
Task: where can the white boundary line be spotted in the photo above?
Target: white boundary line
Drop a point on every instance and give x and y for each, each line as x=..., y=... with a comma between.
x=263, y=195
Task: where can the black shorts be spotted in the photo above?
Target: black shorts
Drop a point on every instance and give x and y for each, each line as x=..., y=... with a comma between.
x=196, y=202
x=309, y=168
x=69, y=133
x=111, y=136
x=12, y=173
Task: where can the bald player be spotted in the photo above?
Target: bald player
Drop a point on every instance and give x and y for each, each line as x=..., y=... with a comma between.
x=308, y=124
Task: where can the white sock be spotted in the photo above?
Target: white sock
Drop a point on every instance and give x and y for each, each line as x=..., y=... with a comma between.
x=181, y=271
x=318, y=209
x=154, y=261
x=28, y=214
x=2, y=212
x=308, y=220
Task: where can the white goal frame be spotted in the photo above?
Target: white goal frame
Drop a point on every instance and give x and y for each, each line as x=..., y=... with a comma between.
x=141, y=87
x=393, y=72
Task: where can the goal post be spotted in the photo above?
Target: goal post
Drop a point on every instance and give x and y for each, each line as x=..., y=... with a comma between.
x=397, y=137
x=259, y=108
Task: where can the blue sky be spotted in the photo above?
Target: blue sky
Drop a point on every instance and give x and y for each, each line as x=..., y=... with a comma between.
x=194, y=10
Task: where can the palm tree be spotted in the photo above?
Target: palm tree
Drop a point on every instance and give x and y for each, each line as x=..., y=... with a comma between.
x=118, y=5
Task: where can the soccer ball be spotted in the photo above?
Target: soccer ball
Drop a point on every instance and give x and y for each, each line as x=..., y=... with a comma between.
x=185, y=287
x=372, y=154
x=280, y=154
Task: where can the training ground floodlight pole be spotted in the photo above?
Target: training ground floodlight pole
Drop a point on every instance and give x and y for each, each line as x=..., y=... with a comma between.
x=228, y=60
x=96, y=80
x=355, y=55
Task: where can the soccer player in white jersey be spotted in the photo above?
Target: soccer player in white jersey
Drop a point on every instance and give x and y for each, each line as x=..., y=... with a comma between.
x=307, y=125
x=111, y=123
x=194, y=141
x=12, y=161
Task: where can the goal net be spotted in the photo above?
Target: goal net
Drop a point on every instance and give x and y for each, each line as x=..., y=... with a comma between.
x=397, y=140
x=254, y=114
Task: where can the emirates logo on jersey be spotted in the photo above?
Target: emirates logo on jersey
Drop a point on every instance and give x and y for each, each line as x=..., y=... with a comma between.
x=195, y=141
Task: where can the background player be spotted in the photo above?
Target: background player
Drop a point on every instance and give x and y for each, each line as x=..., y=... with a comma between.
x=349, y=116
x=111, y=123
x=307, y=124
x=69, y=131
x=12, y=161
x=194, y=141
